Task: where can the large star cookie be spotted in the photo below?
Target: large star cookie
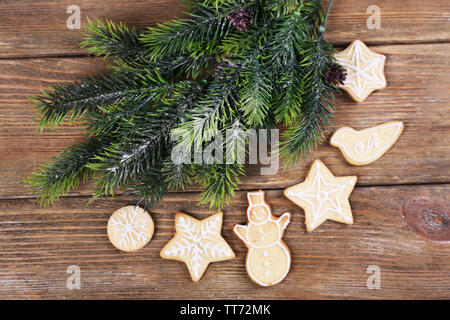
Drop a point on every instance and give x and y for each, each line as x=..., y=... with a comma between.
x=323, y=196
x=130, y=228
x=365, y=70
x=197, y=243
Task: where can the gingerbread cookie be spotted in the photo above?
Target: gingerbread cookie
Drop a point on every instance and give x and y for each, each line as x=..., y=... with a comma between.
x=366, y=146
x=268, y=258
x=197, y=243
x=130, y=228
x=323, y=196
x=365, y=70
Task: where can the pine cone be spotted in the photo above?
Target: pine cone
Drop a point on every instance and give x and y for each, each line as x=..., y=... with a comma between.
x=241, y=19
x=335, y=74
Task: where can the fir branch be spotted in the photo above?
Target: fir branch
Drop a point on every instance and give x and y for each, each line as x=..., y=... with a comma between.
x=219, y=184
x=178, y=176
x=312, y=13
x=216, y=4
x=176, y=68
x=111, y=40
x=317, y=107
x=200, y=33
x=283, y=47
x=255, y=94
x=287, y=103
x=66, y=170
x=215, y=108
x=237, y=43
x=110, y=117
x=149, y=188
x=154, y=184
x=85, y=96
x=144, y=142
x=283, y=7
x=271, y=72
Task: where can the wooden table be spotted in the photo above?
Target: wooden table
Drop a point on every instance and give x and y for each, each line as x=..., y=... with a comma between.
x=37, y=245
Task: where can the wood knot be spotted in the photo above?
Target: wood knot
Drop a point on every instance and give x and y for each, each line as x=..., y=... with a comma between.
x=428, y=218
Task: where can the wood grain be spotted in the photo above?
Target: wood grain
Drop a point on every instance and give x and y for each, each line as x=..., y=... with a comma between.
x=417, y=94
x=400, y=206
x=30, y=28
x=37, y=246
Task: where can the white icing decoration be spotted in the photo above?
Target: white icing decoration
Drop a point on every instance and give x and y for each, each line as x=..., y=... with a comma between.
x=322, y=195
x=199, y=245
x=357, y=76
x=374, y=143
x=277, y=242
x=252, y=205
x=127, y=229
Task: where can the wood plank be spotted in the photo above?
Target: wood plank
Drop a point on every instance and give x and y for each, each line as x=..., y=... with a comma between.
x=417, y=93
x=39, y=244
x=42, y=30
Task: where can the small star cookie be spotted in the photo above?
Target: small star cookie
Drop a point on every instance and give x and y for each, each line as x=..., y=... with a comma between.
x=365, y=70
x=323, y=196
x=197, y=243
x=130, y=228
x=366, y=146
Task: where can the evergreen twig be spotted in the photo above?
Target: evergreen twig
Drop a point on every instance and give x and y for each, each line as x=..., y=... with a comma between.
x=231, y=65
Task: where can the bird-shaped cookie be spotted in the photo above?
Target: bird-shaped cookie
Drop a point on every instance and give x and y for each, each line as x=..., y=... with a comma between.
x=366, y=146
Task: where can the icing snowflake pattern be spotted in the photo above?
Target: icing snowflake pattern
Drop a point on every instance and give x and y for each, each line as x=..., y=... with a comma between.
x=130, y=228
x=325, y=195
x=364, y=70
x=197, y=243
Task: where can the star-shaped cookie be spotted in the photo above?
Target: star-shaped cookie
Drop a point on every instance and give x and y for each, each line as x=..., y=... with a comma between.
x=323, y=196
x=365, y=70
x=197, y=243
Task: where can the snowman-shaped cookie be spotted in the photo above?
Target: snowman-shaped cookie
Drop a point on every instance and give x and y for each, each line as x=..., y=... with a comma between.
x=268, y=257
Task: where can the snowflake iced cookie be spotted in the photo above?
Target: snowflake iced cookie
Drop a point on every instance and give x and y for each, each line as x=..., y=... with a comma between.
x=323, y=196
x=268, y=258
x=365, y=70
x=197, y=243
x=366, y=146
x=130, y=228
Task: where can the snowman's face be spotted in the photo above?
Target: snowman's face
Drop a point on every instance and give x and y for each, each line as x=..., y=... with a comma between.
x=258, y=214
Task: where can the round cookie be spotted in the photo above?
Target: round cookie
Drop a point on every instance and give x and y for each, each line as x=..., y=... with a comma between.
x=130, y=228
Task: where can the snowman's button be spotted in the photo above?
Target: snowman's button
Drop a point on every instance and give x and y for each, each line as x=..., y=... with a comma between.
x=267, y=273
x=266, y=263
x=266, y=254
x=261, y=230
